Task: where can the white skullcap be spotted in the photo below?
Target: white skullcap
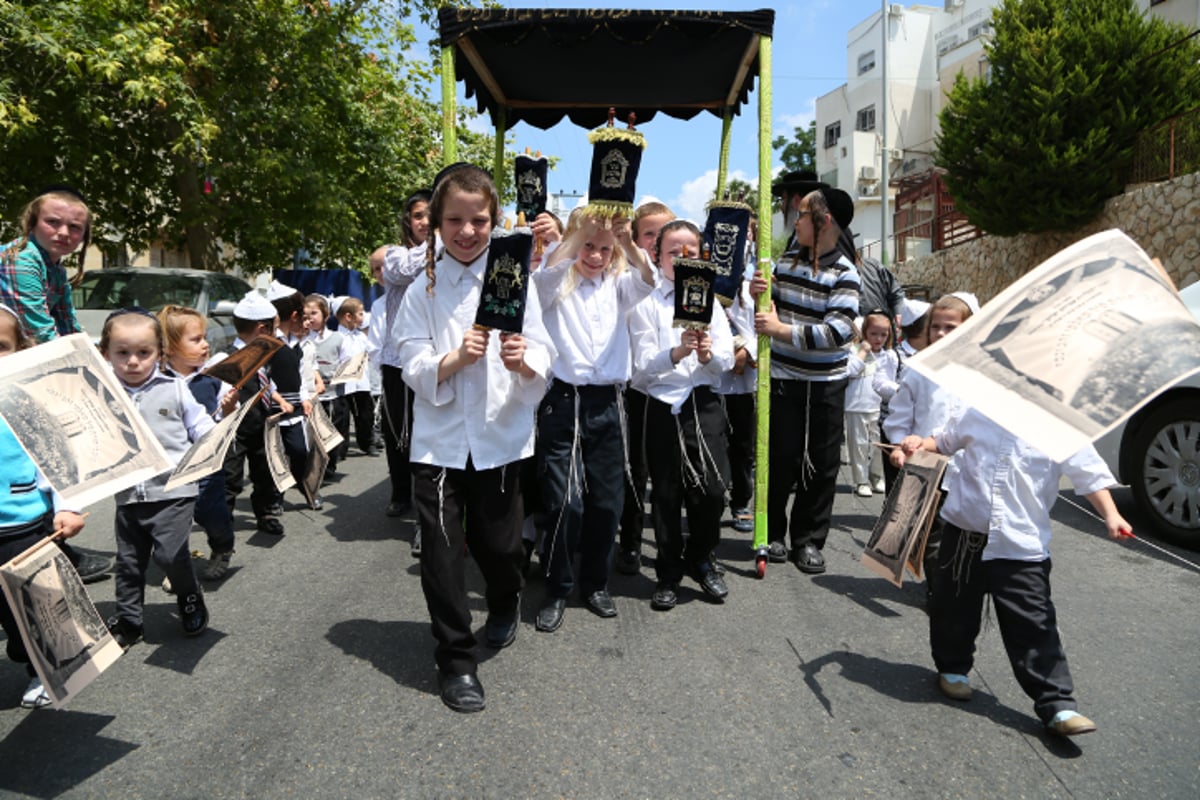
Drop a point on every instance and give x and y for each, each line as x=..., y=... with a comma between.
x=277, y=291
x=335, y=303
x=971, y=300
x=911, y=311
x=254, y=307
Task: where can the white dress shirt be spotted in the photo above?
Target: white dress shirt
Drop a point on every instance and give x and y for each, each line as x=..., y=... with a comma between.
x=401, y=265
x=741, y=324
x=484, y=411
x=653, y=339
x=354, y=342
x=1005, y=487
x=587, y=323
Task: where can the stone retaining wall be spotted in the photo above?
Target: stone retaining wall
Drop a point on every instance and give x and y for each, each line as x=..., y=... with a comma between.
x=1164, y=218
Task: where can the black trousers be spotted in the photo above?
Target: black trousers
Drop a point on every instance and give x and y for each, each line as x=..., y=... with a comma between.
x=1025, y=614
x=697, y=433
x=360, y=407
x=12, y=545
x=633, y=514
x=806, y=438
x=397, y=400
x=739, y=408
x=581, y=463
x=462, y=509
x=249, y=449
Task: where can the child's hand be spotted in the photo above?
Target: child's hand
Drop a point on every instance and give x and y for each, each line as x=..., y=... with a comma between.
x=545, y=229
x=512, y=353
x=474, y=345
x=897, y=457
x=318, y=384
x=285, y=406
x=739, y=361
x=622, y=231
x=767, y=322
x=911, y=444
x=229, y=403
x=687, y=345
x=758, y=284
x=306, y=407
x=67, y=524
x=704, y=351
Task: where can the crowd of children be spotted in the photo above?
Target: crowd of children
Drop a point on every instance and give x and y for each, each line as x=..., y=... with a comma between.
x=508, y=444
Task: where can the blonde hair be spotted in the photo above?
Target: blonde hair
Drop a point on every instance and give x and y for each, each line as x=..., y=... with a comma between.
x=651, y=209
x=29, y=220
x=577, y=238
x=949, y=302
x=174, y=321
x=350, y=305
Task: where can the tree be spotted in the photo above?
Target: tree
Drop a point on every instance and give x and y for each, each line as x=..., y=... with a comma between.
x=1048, y=137
x=259, y=125
x=738, y=189
x=801, y=151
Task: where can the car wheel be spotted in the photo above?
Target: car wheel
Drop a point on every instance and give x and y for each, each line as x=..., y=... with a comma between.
x=1165, y=479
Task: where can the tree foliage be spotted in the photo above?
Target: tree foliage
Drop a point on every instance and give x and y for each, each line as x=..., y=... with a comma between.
x=1043, y=142
x=258, y=125
x=738, y=189
x=799, y=152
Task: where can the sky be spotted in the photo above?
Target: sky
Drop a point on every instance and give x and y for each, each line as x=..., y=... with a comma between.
x=679, y=165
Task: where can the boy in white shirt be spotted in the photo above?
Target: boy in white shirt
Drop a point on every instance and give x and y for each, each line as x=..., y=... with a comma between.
x=356, y=395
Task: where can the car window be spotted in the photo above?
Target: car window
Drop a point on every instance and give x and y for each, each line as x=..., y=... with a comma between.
x=225, y=287
x=126, y=289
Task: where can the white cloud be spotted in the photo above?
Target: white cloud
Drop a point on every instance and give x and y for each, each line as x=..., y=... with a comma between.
x=480, y=123
x=786, y=124
x=695, y=194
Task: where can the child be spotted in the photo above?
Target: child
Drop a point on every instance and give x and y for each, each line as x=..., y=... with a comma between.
x=355, y=395
x=30, y=510
x=914, y=331
x=648, y=220
x=292, y=370
x=996, y=540
x=737, y=388
x=377, y=331
x=473, y=417
x=253, y=317
x=151, y=521
x=818, y=302
x=586, y=291
x=685, y=425
x=326, y=344
x=401, y=264
x=186, y=353
x=862, y=403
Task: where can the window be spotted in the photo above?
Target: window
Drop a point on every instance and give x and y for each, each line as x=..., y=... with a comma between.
x=866, y=119
x=866, y=62
x=833, y=132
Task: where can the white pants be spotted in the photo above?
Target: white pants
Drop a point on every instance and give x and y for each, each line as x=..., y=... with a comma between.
x=866, y=464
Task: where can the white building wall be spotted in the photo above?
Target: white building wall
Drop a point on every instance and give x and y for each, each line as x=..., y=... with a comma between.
x=1185, y=12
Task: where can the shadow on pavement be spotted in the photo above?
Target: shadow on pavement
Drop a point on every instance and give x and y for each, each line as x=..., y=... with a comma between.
x=179, y=653
x=51, y=752
x=869, y=591
x=400, y=649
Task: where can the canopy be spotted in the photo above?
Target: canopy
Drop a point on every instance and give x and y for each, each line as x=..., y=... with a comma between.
x=539, y=65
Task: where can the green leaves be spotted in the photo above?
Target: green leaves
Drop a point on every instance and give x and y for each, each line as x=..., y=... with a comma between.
x=1044, y=142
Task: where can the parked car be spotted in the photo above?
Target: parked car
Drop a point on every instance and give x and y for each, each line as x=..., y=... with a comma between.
x=1157, y=453
x=213, y=294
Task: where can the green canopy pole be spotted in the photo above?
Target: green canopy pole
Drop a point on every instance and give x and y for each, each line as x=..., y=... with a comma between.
x=498, y=173
x=763, y=393
x=723, y=163
x=449, y=110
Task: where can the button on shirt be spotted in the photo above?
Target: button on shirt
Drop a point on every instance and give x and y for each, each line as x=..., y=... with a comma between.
x=587, y=322
x=484, y=411
x=1005, y=487
x=650, y=326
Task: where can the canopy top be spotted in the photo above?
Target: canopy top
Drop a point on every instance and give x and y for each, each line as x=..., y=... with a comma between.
x=540, y=65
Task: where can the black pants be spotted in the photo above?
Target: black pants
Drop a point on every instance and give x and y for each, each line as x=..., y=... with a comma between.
x=481, y=510
x=806, y=438
x=360, y=407
x=633, y=514
x=12, y=544
x=739, y=408
x=581, y=462
x=1025, y=614
x=296, y=448
x=890, y=473
x=697, y=433
x=157, y=530
x=249, y=449
x=397, y=400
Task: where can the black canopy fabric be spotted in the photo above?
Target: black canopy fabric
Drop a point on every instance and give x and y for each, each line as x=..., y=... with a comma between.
x=543, y=64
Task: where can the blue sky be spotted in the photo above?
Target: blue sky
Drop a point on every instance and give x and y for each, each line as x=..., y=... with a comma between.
x=679, y=166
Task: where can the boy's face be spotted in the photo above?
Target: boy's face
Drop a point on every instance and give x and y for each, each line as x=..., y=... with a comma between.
x=648, y=228
x=351, y=320
x=942, y=323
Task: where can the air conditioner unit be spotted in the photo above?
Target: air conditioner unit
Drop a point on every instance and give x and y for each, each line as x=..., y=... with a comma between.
x=895, y=154
x=867, y=173
x=895, y=10
x=954, y=5
x=869, y=189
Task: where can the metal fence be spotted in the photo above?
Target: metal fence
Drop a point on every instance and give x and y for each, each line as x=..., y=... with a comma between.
x=1167, y=150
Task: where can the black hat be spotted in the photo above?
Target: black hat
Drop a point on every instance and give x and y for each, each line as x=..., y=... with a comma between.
x=801, y=181
x=451, y=168
x=62, y=188
x=616, y=157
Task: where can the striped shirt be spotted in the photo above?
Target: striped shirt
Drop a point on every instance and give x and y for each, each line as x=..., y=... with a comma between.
x=821, y=308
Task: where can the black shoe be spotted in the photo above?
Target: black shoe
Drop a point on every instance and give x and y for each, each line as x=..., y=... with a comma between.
x=743, y=520
x=601, y=604
x=370, y=451
x=500, y=631
x=274, y=510
x=712, y=583
x=193, y=613
x=398, y=509
x=629, y=562
x=717, y=566
x=92, y=568
x=124, y=633
x=777, y=553
x=550, y=618
x=665, y=596
x=809, y=559
x=270, y=525
x=462, y=693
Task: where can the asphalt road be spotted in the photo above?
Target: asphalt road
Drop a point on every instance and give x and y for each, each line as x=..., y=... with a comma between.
x=316, y=679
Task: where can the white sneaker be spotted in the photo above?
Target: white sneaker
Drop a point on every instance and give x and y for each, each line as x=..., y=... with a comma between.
x=879, y=486
x=863, y=490
x=36, y=695
x=166, y=586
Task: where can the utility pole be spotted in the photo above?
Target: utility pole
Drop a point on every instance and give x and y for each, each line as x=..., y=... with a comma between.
x=885, y=24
